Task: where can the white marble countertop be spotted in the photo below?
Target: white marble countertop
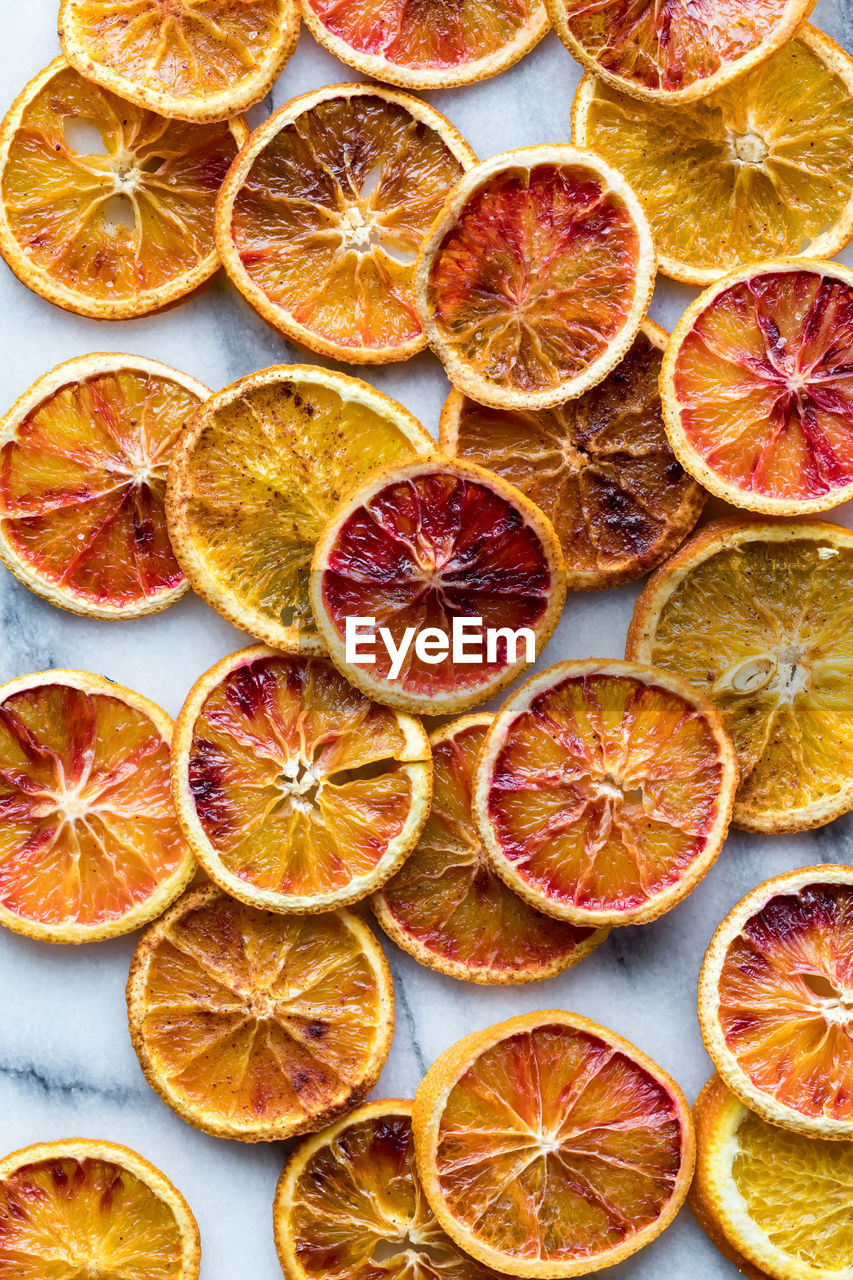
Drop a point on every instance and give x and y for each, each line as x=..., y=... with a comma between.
x=66, y=1064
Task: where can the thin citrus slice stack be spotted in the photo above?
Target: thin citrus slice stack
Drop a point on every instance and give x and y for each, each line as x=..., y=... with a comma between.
x=83, y=460
x=548, y=1146
x=778, y=1201
x=107, y=209
x=759, y=618
x=259, y=1026
x=448, y=909
x=534, y=278
x=603, y=791
x=192, y=60
x=295, y=791
x=420, y=553
x=760, y=169
x=320, y=218
x=90, y=845
x=257, y=472
x=82, y=1208
x=756, y=388
x=599, y=467
x=776, y=1001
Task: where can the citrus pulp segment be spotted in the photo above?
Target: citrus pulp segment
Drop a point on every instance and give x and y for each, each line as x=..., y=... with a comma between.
x=321, y=216
x=758, y=617
x=548, y=1146
x=760, y=169
x=600, y=467
x=90, y=845
x=422, y=546
x=258, y=1026
x=295, y=791
x=446, y=906
x=107, y=209
x=257, y=472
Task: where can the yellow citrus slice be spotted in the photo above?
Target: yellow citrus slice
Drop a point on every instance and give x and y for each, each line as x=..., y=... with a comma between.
x=296, y=792
x=257, y=472
x=599, y=467
x=776, y=1001
x=419, y=551
x=192, y=60
x=320, y=218
x=760, y=169
x=535, y=276
x=81, y=1208
x=759, y=618
x=83, y=460
x=90, y=845
x=548, y=1146
x=258, y=1026
x=107, y=209
x=778, y=1200
x=446, y=906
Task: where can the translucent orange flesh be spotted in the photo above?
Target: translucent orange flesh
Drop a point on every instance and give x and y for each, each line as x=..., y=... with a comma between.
x=88, y=830
x=332, y=213
x=68, y=1219
x=604, y=792
x=554, y=1146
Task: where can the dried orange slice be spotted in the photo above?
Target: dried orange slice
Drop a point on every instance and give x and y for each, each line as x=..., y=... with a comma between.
x=759, y=618
x=604, y=790
x=257, y=472
x=423, y=548
x=599, y=467
x=190, y=60
x=760, y=169
x=90, y=845
x=321, y=217
x=756, y=390
x=448, y=909
x=534, y=278
x=82, y=1208
x=548, y=1146
x=259, y=1026
x=106, y=209
x=83, y=459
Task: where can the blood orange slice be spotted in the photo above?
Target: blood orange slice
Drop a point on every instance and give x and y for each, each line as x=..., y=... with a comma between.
x=548, y=1146
x=83, y=460
x=258, y=1026
x=419, y=549
x=604, y=791
x=90, y=845
x=448, y=909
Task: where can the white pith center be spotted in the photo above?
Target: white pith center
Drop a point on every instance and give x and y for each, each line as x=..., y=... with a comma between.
x=785, y=673
x=748, y=148
x=298, y=782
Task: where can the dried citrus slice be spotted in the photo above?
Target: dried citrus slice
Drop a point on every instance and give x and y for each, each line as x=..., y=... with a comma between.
x=192, y=60
x=257, y=472
x=548, y=1146
x=420, y=551
x=604, y=790
x=295, y=791
x=779, y=1200
x=259, y=1026
x=106, y=209
x=760, y=169
x=599, y=467
x=448, y=909
x=321, y=217
x=90, y=845
x=83, y=459
x=759, y=618
x=534, y=278
x=81, y=1208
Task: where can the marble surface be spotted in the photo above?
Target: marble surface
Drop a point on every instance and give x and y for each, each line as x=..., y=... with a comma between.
x=66, y=1064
